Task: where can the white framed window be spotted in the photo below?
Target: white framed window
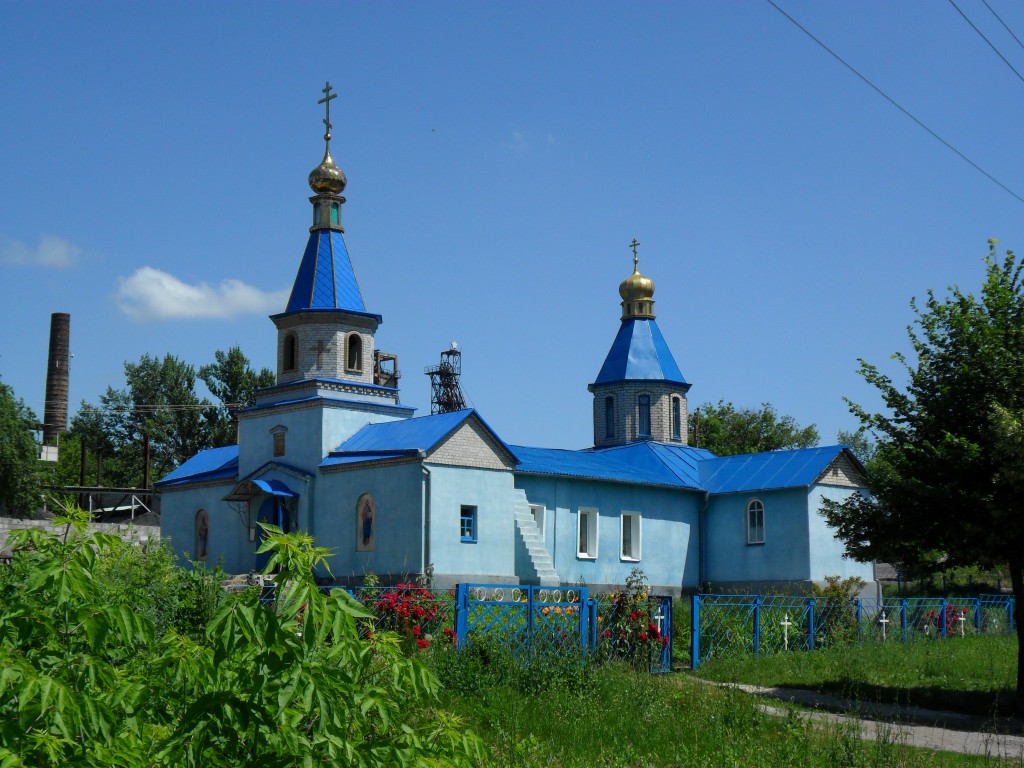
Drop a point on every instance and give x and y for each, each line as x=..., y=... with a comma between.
x=586, y=533
x=539, y=512
x=755, y=522
x=630, y=528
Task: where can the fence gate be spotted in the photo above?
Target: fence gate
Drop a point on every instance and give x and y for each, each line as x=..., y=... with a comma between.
x=525, y=618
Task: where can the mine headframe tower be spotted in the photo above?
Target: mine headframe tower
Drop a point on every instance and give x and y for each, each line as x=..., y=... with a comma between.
x=445, y=392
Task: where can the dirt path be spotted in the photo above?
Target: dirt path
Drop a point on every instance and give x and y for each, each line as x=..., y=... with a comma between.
x=916, y=727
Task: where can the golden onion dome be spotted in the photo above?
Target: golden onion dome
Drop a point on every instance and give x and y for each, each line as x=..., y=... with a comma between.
x=327, y=177
x=636, y=287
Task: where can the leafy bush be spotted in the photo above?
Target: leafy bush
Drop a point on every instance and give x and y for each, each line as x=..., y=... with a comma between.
x=86, y=682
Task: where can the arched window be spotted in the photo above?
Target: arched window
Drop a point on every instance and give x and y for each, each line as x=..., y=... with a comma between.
x=289, y=352
x=354, y=361
x=202, y=542
x=755, y=522
x=609, y=416
x=334, y=213
x=677, y=414
x=644, y=416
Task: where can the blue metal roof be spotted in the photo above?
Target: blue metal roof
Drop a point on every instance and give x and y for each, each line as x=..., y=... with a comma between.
x=387, y=439
x=764, y=471
x=639, y=352
x=683, y=461
x=211, y=464
x=326, y=279
x=682, y=466
x=625, y=467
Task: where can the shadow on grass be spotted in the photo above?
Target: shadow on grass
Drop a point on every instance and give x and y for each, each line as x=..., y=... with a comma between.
x=988, y=705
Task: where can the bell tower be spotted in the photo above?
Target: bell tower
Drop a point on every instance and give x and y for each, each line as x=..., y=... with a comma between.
x=325, y=332
x=640, y=393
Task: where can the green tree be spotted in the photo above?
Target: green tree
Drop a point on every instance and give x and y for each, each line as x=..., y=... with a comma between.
x=727, y=431
x=86, y=682
x=234, y=383
x=20, y=473
x=158, y=403
x=946, y=478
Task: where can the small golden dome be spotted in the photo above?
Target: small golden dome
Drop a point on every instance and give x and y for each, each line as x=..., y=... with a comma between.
x=327, y=177
x=636, y=287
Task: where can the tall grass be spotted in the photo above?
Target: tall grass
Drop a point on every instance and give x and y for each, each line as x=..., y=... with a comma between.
x=560, y=712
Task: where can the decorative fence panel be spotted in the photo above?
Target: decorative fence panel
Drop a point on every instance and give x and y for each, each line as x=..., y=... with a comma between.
x=724, y=625
x=524, y=618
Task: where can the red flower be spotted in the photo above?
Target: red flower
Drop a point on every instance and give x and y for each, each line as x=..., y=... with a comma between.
x=633, y=616
x=607, y=633
x=422, y=643
x=416, y=630
x=643, y=637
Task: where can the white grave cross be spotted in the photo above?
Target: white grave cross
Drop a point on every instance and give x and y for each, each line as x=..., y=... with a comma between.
x=961, y=617
x=883, y=621
x=786, y=624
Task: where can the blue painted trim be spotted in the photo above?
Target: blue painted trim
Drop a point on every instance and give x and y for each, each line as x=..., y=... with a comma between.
x=328, y=400
x=339, y=310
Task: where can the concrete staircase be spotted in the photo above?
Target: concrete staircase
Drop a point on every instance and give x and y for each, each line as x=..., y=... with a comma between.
x=541, y=566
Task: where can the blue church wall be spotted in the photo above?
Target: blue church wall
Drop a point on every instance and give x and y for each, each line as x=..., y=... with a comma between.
x=301, y=439
x=784, y=553
x=826, y=550
x=395, y=547
x=491, y=557
x=668, y=530
x=227, y=538
x=312, y=433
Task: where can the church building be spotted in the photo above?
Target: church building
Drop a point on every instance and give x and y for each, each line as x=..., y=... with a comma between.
x=329, y=449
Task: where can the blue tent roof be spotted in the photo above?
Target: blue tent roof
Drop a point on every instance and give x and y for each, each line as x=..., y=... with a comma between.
x=394, y=438
x=211, y=464
x=326, y=279
x=639, y=352
x=764, y=471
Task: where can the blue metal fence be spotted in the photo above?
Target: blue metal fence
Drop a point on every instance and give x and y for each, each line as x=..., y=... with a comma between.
x=725, y=625
x=524, y=619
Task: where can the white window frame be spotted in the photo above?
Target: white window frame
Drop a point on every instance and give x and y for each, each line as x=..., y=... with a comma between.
x=540, y=516
x=633, y=522
x=754, y=505
x=593, y=522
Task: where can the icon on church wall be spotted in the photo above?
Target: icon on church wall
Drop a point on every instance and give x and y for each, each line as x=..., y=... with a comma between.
x=366, y=511
x=202, y=534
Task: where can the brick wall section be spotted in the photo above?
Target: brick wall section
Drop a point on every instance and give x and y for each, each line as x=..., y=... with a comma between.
x=142, y=533
x=627, y=396
x=842, y=472
x=309, y=332
x=471, y=446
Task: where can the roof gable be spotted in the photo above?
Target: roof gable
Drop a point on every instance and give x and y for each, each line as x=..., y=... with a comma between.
x=423, y=434
x=639, y=352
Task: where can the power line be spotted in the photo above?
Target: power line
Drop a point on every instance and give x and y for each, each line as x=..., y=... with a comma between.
x=1005, y=25
x=990, y=44
x=898, y=106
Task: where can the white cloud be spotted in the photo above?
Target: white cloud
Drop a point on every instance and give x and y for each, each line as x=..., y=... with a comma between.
x=518, y=142
x=51, y=252
x=149, y=294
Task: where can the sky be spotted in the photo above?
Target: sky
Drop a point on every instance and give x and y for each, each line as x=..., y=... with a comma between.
x=500, y=158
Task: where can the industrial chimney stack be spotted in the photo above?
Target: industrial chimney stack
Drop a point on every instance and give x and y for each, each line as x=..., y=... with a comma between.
x=55, y=414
